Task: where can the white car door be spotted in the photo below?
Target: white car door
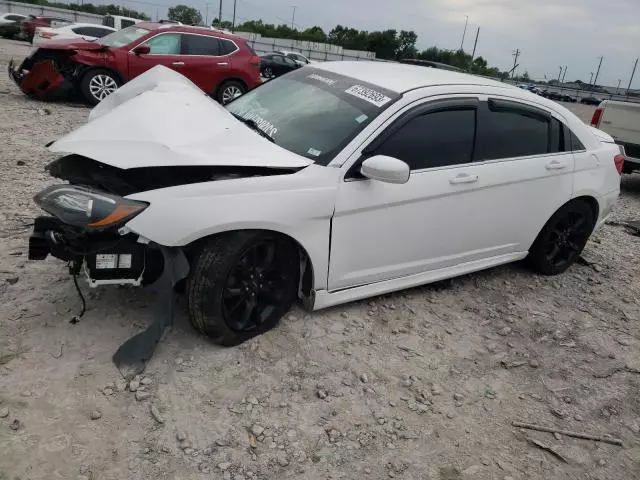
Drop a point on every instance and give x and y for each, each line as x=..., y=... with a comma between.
x=485, y=176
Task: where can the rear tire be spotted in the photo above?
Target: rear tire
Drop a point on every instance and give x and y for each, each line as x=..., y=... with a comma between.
x=562, y=239
x=241, y=284
x=97, y=84
x=230, y=90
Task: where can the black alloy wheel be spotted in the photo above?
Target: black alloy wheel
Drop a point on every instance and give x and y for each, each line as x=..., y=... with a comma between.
x=255, y=287
x=241, y=284
x=562, y=239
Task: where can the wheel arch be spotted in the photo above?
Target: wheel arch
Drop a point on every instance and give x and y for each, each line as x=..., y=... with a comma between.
x=306, y=282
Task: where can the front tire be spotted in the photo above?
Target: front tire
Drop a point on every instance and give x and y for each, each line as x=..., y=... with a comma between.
x=98, y=84
x=562, y=239
x=241, y=284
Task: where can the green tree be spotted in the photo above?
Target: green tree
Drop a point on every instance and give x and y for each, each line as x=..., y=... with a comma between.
x=185, y=14
x=407, y=44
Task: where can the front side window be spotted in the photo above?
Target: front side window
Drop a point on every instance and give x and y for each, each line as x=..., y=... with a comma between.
x=200, y=45
x=312, y=112
x=510, y=131
x=123, y=37
x=165, y=44
x=433, y=139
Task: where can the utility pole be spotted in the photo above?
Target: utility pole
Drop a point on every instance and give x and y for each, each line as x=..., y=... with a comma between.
x=591, y=79
x=595, y=80
x=464, y=32
x=293, y=16
x=564, y=74
x=560, y=72
x=220, y=13
x=206, y=15
x=632, y=74
x=475, y=44
x=515, y=54
x=618, y=87
x=233, y=23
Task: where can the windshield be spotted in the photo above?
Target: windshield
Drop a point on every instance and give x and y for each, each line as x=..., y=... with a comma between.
x=312, y=112
x=123, y=37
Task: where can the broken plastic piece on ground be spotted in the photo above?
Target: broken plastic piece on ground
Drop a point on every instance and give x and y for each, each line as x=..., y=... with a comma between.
x=132, y=356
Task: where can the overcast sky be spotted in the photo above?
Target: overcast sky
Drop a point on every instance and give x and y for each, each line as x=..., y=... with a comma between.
x=548, y=33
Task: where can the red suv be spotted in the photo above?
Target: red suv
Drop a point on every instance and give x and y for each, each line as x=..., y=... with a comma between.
x=222, y=65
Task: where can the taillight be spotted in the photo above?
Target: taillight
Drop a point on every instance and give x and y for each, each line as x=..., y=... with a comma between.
x=254, y=60
x=47, y=34
x=597, y=116
x=619, y=161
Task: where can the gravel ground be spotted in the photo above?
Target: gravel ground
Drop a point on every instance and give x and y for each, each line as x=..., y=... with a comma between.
x=422, y=384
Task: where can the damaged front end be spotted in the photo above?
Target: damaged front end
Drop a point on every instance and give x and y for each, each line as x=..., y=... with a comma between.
x=47, y=74
x=84, y=230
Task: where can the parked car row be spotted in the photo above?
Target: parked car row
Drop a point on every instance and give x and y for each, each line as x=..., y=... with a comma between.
x=224, y=66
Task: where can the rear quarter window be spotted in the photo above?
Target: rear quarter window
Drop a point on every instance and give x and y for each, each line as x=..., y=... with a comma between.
x=227, y=47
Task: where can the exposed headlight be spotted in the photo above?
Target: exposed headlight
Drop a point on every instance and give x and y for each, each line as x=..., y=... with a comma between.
x=87, y=208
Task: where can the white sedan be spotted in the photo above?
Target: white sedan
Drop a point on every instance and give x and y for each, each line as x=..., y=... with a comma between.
x=327, y=185
x=86, y=31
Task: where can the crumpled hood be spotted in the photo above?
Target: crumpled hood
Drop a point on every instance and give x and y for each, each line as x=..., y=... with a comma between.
x=72, y=44
x=163, y=119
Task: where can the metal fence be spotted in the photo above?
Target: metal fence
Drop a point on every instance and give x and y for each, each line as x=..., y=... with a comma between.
x=312, y=50
x=41, y=10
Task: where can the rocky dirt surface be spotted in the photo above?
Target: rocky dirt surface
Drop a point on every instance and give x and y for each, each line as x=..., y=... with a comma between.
x=422, y=384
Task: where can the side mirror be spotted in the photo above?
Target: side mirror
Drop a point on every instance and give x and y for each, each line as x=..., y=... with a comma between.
x=385, y=169
x=142, y=50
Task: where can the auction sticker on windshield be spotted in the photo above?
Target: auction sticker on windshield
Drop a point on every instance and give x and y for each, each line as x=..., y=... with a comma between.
x=368, y=94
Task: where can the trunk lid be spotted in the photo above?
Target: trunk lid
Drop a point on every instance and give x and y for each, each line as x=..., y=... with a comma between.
x=162, y=119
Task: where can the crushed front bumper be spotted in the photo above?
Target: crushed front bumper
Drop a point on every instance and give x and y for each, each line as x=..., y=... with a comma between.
x=41, y=80
x=110, y=258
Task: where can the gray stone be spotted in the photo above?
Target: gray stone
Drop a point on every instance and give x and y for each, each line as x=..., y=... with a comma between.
x=146, y=381
x=140, y=396
x=134, y=385
x=364, y=378
x=458, y=397
x=4, y=412
x=322, y=394
x=224, y=466
x=436, y=389
x=181, y=436
x=253, y=400
x=121, y=385
x=504, y=331
x=107, y=391
x=188, y=451
x=533, y=363
x=623, y=341
x=156, y=414
x=95, y=414
x=257, y=430
x=15, y=425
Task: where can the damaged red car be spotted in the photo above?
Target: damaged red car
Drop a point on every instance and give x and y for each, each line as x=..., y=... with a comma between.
x=222, y=65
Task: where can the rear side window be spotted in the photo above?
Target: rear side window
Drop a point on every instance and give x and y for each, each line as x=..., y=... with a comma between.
x=507, y=130
x=556, y=137
x=15, y=18
x=227, y=47
x=433, y=139
x=126, y=23
x=96, y=32
x=200, y=45
x=109, y=21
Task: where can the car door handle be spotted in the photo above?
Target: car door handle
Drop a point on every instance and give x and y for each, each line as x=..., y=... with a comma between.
x=463, y=178
x=223, y=64
x=177, y=64
x=556, y=165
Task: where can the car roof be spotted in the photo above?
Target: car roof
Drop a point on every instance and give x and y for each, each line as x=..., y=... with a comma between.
x=172, y=27
x=400, y=77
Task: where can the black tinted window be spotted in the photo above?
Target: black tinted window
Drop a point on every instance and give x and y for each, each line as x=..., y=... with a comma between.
x=109, y=22
x=576, y=144
x=505, y=132
x=226, y=47
x=15, y=18
x=126, y=23
x=434, y=139
x=201, y=45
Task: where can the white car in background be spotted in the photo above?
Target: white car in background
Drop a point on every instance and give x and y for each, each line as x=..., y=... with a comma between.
x=10, y=18
x=86, y=31
x=332, y=183
x=295, y=56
